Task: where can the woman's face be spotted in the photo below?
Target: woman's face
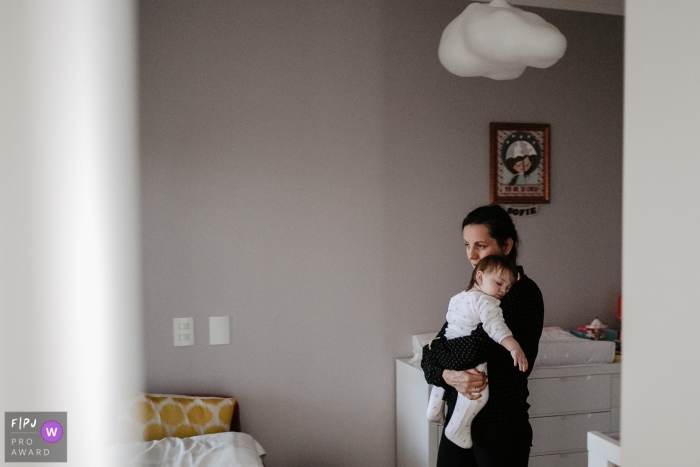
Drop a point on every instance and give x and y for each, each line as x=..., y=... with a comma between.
x=480, y=244
x=526, y=164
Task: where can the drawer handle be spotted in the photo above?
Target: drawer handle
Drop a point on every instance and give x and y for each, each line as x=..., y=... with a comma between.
x=575, y=378
x=575, y=416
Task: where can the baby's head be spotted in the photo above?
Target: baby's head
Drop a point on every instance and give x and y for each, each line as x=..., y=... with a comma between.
x=494, y=275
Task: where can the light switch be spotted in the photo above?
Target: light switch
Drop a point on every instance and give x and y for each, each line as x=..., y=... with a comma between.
x=219, y=332
x=183, y=331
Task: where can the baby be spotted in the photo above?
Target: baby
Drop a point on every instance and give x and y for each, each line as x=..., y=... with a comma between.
x=491, y=279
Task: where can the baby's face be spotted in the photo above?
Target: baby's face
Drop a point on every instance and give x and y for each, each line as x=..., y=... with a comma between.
x=496, y=283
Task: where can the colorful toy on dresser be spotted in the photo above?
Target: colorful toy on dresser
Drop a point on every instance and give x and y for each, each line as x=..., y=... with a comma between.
x=598, y=331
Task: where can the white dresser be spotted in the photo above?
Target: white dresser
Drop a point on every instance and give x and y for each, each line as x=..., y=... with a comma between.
x=566, y=403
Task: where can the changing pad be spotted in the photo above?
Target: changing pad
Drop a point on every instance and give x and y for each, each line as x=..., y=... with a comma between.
x=557, y=348
x=561, y=348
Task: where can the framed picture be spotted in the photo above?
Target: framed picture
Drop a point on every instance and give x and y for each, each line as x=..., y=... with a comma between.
x=519, y=163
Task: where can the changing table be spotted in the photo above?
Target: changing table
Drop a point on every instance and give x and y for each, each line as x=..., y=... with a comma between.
x=566, y=403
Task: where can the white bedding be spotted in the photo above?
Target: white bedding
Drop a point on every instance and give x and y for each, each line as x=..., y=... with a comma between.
x=216, y=450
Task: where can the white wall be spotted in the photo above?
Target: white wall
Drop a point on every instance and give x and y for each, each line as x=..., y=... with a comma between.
x=69, y=262
x=661, y=220
x=306, y=168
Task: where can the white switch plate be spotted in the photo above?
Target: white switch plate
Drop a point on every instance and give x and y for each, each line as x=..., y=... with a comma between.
x=219, y=331
x=183, y=331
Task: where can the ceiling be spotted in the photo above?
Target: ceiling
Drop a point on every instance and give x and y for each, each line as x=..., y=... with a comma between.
x=610, y=7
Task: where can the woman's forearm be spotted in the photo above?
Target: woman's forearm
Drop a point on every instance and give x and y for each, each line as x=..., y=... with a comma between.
x=431, y=369
x=461, y=353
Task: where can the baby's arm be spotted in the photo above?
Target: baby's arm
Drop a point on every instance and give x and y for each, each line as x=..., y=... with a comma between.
x=516, y=352
x=492, y=317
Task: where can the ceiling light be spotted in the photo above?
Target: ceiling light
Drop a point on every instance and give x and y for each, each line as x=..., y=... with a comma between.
x=499, y=41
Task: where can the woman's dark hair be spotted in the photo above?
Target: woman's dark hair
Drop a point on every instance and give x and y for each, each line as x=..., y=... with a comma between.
x=500, y=226
x=494, y=263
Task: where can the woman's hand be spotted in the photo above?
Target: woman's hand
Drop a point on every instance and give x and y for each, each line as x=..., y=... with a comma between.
x=469, y=383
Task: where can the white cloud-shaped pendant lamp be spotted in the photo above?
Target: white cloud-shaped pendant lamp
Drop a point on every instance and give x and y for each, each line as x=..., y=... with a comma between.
x=499, y=41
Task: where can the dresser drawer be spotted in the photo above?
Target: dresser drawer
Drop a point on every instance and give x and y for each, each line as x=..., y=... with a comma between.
x=569, y=459
x=569, y=394
x=615, y=420
x=566, y=432
x=615, y=391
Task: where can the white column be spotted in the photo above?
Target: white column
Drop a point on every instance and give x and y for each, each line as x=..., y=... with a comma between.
x=69, y=273
x=661, y=241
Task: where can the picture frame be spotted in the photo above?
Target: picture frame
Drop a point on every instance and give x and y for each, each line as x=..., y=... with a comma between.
x=520, y=163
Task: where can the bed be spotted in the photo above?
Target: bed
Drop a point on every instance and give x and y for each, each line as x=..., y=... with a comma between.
x=183, y=431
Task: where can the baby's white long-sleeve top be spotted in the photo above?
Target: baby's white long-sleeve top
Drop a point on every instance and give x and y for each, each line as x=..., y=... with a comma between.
x=469, y=308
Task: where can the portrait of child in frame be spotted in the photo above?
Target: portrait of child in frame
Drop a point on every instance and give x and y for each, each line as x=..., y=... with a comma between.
x=520, y=163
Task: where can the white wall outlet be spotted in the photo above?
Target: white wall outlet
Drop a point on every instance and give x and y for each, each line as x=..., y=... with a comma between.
x=219, y=330
x=183, y=331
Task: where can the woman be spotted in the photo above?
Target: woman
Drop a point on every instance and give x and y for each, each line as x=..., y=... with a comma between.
x=501, y=432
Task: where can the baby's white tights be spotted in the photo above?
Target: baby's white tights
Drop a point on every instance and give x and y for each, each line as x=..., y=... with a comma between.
x=459, y=429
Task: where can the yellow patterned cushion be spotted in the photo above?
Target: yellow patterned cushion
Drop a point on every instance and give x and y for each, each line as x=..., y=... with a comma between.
x=150, y=417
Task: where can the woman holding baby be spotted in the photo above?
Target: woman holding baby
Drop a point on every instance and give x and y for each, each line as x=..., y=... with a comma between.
x=501, y=435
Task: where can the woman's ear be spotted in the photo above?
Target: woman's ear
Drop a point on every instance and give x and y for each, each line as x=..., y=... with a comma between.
x=508, y=247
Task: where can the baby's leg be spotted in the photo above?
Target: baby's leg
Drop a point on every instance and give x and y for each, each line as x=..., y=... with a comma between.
x=459, y=429
x=436, y=406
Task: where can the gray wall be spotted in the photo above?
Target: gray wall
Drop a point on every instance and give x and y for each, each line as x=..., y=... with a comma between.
x=305, y=170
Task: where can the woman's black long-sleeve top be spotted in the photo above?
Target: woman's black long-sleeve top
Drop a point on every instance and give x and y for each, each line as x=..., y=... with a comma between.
x=523, y=312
